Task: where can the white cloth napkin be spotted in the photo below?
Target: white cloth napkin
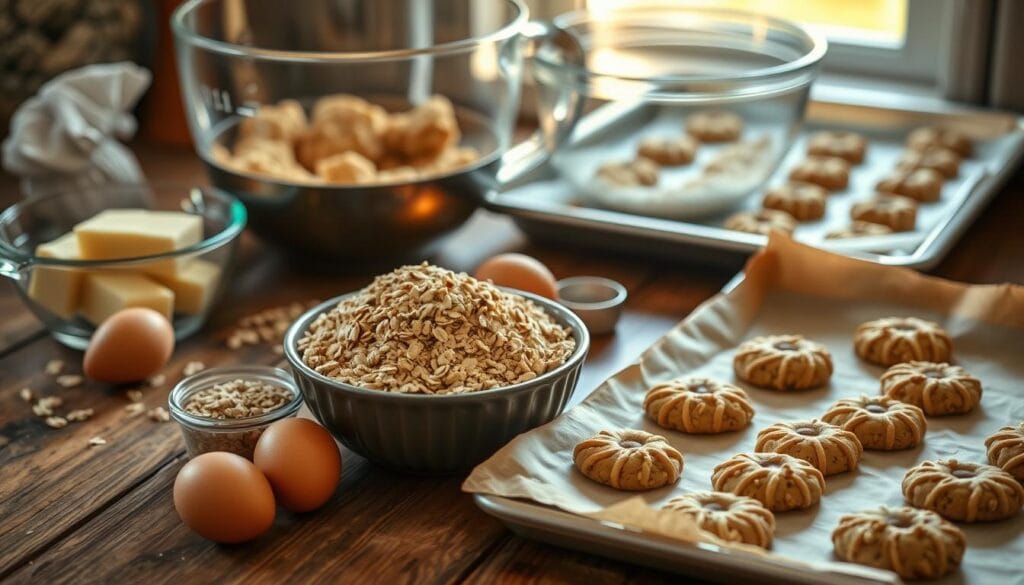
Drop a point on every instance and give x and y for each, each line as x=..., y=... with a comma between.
x=68, y=135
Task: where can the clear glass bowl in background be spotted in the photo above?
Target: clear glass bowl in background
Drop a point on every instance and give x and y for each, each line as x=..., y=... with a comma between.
x=648, y=68
x=235, y=56
x=234, y=435
x=42, y=219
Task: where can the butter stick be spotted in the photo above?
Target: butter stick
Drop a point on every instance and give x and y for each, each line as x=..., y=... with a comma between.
x=127, y=233
x=57, y=289
x=105, y=293
x=193, y=286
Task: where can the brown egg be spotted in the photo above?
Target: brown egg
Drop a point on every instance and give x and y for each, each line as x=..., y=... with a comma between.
x=131, y=345
x=224, y=498
x=520, y=272
x=301, y=461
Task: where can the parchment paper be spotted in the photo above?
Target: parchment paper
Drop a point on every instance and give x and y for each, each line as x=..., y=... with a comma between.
x=794, y=288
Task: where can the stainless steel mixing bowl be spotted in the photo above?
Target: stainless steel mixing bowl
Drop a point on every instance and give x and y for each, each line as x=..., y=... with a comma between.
x=435, y=434
x=235, y=56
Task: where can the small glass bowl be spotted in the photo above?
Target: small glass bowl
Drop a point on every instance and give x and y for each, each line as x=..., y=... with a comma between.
x=44, y=218
x=239, y=435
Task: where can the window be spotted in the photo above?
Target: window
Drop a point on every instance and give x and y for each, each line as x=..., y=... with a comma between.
x=900, y=39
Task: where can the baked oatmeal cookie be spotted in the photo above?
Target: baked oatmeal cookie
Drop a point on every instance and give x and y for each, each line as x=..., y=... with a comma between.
x=638, y=172
x=668, y=152
x=827, y=447
x=896, y=212
x=778, y=481
x=728, y=516
x=881, y=423
x=830, y=172
x=715, y=126
x=783, y=362
x=963, y=492
x=919, y=184
x=1005, y=450
x=914, y=544
x=893, y=340
x=804, y=201
x=698, y=405
x=936, y=388
x=937, y=158
x=762, y=222
x=628, y=460
x=849, y=146
x=945, y=137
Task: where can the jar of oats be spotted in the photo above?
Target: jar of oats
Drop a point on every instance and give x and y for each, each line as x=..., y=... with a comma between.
x=227, y=409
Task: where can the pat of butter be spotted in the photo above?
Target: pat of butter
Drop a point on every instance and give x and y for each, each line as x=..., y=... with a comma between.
x=57, y=289
x=105, y=293
x=126, y=233
x=193, y=286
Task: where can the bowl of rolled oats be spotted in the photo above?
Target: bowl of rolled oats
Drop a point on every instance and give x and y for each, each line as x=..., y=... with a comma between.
x=431, y=371
x=227, y=409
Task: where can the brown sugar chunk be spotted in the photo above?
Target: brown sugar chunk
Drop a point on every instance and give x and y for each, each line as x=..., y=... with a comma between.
x=698, y=405
x=763, y=222
x=340, y=124
x=783, y=362
x=728, y=516
x=804, y=201
x=937, y=158
x=896, y=212
x=827, y=447
x=858, y=229
x=937, y=388
x=849, y=146
x=715, y=126
x=668, y=152
x=920, y=184
x=894, y=340
x=914, y=544
x=778, y=481
x=954, y=140
x=830, y=172
x=880, y=423
x=282, y=122
x=629, y=460
x=962, y=491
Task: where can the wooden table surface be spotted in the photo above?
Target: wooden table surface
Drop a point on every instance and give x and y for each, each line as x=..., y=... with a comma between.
x=71, y=512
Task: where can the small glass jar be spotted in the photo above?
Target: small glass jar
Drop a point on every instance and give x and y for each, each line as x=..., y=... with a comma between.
x=234, y=435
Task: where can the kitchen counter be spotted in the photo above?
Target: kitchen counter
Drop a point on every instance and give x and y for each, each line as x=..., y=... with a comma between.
x=74, y=512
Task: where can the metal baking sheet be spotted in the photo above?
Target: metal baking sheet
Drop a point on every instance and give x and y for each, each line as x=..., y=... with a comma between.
x=548, y=206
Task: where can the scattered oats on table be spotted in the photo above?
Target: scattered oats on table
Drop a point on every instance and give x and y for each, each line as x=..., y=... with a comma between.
x=54, y=367
x=158, y=414
x=44, y=406
x=69, y=380
x=25, y=394
x=156, y=380
x=424, y=329
x=134, y=395
x=135, y=409
x=193, y=368
x=79, y=415
x=97, y=441
x=56, y=422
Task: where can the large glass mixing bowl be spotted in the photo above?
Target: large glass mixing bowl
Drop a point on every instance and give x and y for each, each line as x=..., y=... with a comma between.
x=237, y=56
x=649, y=70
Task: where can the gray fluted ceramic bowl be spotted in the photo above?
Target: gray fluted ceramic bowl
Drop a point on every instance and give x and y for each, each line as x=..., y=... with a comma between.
x=435, y=434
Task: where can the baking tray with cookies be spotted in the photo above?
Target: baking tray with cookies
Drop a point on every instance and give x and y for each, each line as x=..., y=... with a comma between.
x=822, y=419
x=894, y=186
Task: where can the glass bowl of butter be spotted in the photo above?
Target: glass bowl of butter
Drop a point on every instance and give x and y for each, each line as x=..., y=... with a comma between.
x=78, y=257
